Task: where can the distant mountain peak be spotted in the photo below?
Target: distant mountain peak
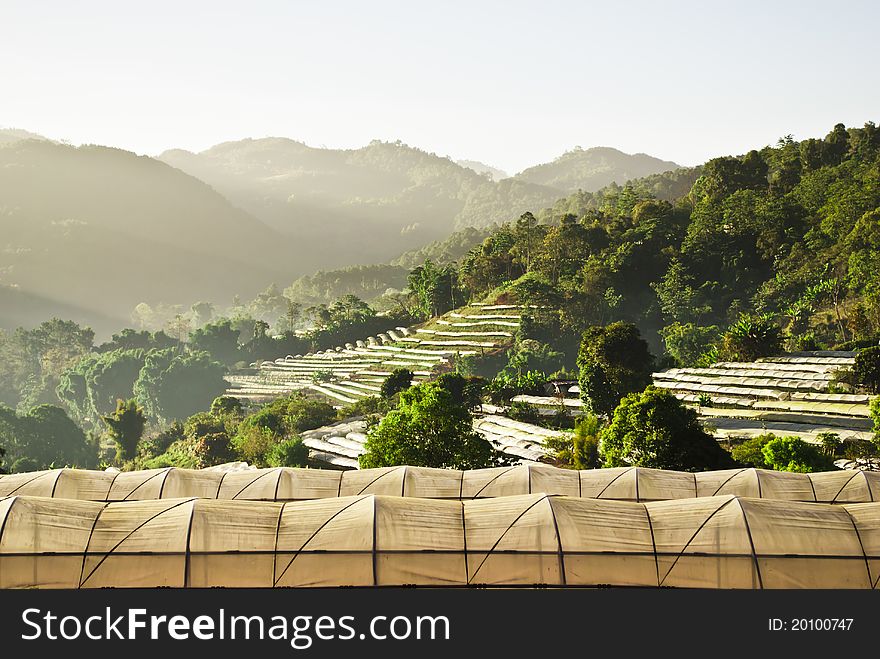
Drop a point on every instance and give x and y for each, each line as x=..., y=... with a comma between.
x=482, y=168
x=593, y=168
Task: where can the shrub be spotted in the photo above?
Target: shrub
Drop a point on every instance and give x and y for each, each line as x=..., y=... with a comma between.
x=181, y=453
x=751, y=337
x=504, y=386
x=224, y=405
x=289, y=453
x=831, y=443
x=532, y=355
x=524, y=413
x=363, y=407
x=322, y=375
x=252, y=444
x=875, y=414
x=750, y=453
x=794, y=454
x=580, y=449
x=159, y=443
x=867, y=368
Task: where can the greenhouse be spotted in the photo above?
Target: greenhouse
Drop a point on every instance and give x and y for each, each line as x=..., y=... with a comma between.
x=374, y=540
x=289, y=484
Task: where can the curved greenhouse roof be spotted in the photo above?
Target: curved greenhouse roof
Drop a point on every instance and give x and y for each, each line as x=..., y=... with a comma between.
x=286, y=484
x=367, y=540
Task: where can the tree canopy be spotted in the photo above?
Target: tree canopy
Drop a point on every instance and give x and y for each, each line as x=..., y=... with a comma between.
x=654, y=429
x=614, y=361
x=428, y=428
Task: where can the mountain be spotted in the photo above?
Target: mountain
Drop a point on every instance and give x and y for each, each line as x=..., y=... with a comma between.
x=101, y=230
x=347, y=206
x=482, y=168
x=591, y=169
x=97, y=230
x=370, y=204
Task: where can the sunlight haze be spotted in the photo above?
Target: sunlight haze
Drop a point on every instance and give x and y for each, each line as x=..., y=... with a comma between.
x=510, y=84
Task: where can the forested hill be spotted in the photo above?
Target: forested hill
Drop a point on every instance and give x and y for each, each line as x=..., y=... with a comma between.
x=372, y=203
x=94, y=231
x=371, y=281
x=786, y=236
x=592, y=169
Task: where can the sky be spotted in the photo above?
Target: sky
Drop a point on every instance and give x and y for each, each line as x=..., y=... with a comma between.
x=508, y=83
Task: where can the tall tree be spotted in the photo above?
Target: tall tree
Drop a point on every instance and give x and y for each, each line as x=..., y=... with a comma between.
x=126, y=427
x=613, y=361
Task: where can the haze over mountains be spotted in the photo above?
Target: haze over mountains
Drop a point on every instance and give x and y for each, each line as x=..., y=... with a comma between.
x=90, y=232
x=101, y=230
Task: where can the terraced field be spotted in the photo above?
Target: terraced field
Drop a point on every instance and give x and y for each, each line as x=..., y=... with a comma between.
x=794, y=394
x=355, y=371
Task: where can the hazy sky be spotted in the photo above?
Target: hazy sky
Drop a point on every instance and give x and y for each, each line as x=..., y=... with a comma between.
x=509, y=83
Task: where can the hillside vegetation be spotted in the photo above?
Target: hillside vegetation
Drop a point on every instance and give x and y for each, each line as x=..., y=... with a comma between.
x=787, y=235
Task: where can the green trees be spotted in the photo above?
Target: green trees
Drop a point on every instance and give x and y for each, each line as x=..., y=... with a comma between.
x=428, y=428
x=398, y=380
x=225, y=405
x=613, y=361
x=532, y=355
x=220, y=340
x=867, y=368
x=784, y=454
x=751, y=337
x=688, y=343
x=173, y=386
x=750, y=453
x=32, y=360
x=435, y=287
x=126, y=427
x=130, y=339
x=43, y=437
x=288, y=453
x=654, y=429
x=91, y=387
x=794, y=454
x=504, y=386
x=202, y=441
x=281, y=420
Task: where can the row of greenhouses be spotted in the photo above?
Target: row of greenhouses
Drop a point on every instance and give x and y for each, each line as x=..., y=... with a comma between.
x=372, y=540
x=292, y=484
